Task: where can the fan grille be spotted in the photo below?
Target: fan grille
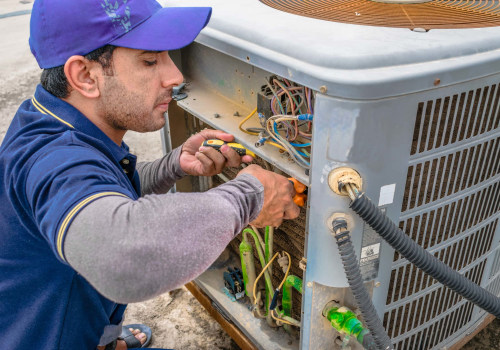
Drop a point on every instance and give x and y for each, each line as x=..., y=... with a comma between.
x=436, y=14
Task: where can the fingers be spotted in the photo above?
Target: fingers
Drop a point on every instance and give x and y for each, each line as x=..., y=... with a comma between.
x=247, y=159
x=226, y=157
x=211, y=160
x=292, y=189
x=292, y=211
x=216, y=134
x=232, y=157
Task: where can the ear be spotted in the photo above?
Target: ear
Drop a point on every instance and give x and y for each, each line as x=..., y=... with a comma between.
x=81, y=75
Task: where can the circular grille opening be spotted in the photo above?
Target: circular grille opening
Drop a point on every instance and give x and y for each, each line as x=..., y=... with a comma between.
x=435, y=14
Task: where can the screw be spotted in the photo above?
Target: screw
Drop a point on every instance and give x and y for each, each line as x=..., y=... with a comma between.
x=309, y=284
x=323, y=89
x=437, y=81
x=236, y=114
x=216, y=115
x=377, y=284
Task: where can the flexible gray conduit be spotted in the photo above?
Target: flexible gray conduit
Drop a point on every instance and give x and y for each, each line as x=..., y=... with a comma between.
x=425, y=261
x=379, y=338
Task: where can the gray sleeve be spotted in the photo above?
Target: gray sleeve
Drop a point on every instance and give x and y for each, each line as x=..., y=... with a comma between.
x=131, y=251
x=159, y=176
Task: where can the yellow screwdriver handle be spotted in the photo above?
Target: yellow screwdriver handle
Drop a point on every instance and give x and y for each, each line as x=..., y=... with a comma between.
x=217, y=144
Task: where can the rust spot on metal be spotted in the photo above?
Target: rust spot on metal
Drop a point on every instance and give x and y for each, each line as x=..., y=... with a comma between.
x=435, y=14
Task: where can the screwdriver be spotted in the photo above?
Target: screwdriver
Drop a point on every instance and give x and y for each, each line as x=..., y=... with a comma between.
x=217, y=144
x=300, y=192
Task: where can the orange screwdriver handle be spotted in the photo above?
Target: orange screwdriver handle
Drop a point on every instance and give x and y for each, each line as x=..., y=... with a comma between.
x=300, y=197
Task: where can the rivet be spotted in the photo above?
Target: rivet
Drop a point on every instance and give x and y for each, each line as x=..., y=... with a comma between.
x=377, y=284
x=323, y=89
x=437, y=81
x=216, y=115
x=309, y=284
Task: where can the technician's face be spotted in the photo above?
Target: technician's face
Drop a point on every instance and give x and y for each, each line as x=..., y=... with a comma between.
x=137, y=95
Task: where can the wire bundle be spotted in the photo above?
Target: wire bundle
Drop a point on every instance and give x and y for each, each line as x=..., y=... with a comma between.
x=289, y=128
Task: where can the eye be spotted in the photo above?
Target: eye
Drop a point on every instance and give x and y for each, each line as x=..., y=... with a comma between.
x=151, y=63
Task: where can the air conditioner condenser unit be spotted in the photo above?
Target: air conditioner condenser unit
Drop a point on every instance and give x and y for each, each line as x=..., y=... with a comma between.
x=407, y=95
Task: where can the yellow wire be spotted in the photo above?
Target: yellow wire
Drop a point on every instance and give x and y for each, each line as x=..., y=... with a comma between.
x=244, y=120
x=275, y=145
x=281, y=320
x=240, y=126
x=265, y=268
x=259, y=276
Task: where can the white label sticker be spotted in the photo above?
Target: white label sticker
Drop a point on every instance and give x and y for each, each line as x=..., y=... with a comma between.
x=369, y=253
x=386, y=194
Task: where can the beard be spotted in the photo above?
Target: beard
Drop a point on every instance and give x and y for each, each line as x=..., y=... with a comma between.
x=125, y=110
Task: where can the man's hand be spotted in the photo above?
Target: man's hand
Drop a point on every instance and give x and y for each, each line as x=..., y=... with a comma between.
x=206, y=161
x=278, y=197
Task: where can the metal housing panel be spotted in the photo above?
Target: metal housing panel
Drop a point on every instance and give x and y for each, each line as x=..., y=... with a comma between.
x=350, y=61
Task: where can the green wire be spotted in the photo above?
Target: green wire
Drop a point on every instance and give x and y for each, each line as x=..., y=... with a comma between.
x=267, y=253
x=275, y=95
x=267, y=277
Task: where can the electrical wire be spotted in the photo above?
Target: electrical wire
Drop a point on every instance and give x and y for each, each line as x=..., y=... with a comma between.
x=293, y=101
x=257, y=233
x=275, y=145
x=264, y=270
x=297, y=323
x=283, y=129
x=279, y=319
x=276, y=96
x=240, y=126
x=273, y=132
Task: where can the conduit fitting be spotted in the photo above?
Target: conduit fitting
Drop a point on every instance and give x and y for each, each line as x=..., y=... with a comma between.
x=343, y=216
x=344, y=321
x=345, y=180
x=339, y=225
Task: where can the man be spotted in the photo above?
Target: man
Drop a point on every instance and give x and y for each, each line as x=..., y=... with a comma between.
x=83, y=227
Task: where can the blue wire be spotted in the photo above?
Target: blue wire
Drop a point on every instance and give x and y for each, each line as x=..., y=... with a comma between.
x=302, y=154
x=300, y=144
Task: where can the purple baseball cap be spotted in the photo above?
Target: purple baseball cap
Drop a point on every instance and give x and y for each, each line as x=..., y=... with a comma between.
x=60, y=29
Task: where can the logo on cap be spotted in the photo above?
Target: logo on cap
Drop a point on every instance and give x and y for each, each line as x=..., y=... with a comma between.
x=118, y=19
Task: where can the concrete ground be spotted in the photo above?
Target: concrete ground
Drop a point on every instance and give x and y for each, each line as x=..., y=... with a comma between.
x=177, y=320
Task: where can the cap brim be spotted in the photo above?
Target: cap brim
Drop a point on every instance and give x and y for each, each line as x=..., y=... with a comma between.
x=170, y=28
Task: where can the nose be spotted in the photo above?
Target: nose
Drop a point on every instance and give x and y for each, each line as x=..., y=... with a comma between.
x=170, y=74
